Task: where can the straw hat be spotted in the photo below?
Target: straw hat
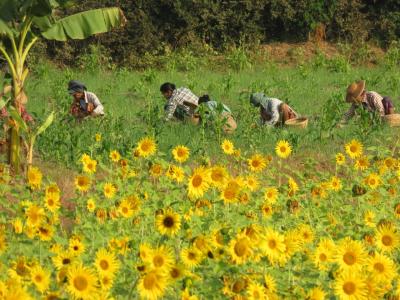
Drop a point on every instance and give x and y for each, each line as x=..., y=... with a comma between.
x=354, y=91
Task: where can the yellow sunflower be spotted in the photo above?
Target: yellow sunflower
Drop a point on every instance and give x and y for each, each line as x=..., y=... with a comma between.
x=381, y=267
x=97, y=137
x=161, y=258
x=351, y=286
x=354, y=149
x=335, y=184
x=271, y=195
x=91, y=205
x=156, y=170
x=82, y=183
x=316, y=293
x=152, y=285
x=181, y=153
x=40, y=278
x=369, y=217
x=227, y=147
x=82, y=282
x=255, y=291
x=340, y=159
x=191, y=257
x=52, y=202
x=115, y=156
x=106, y=263
x=267, y=210
x=252, y=183
x=293, y=187
x=387, y=238
x=283, y=149
x=199, y=182
x=373, y=180
x=362, y=163
x=272, y=244
x=218, y=176
x=146, y=147
x=168, y=223
x=34, y=177
x=125, y=209
x=350, y=255
x=109, y=190
x=89, y=166
x=76, y=246
x=257, y=163
x=18, y=225
x=63, y=259
x=35, y=215
x=240, y=249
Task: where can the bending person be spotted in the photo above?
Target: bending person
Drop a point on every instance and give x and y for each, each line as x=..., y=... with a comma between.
x=214, y=110
x=371, y=101
x=85, y=103
x=273, y=112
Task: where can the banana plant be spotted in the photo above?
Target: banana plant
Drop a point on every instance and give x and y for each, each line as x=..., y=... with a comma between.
x=23, y=23
x=28, y=134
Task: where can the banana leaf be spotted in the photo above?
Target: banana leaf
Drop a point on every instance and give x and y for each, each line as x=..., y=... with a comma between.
x=85, y=24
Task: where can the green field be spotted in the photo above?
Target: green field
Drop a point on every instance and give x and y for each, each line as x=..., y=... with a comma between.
x=134, y=106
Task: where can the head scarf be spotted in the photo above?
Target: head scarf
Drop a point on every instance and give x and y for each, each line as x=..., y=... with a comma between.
x=259, y=99
x=75, y=86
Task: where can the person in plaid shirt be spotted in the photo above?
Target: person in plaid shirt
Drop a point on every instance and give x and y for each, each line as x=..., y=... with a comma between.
x=369, y=100
x=181, y=102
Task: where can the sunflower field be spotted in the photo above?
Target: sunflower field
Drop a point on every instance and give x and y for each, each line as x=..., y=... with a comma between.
x=250, y=225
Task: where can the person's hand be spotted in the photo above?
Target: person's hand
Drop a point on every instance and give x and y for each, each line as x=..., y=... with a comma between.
x=90, y=108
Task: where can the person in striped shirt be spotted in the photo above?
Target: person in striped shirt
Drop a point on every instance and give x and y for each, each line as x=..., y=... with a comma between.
x=358, y=96
x=181, y=102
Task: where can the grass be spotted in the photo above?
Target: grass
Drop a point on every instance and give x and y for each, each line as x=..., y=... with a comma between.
x=134, y=107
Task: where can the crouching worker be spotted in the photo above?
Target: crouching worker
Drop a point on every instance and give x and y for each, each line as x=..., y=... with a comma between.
x=371, y=101
x=217, y=113
x=85, y=103
x=273, y=112
x=181, y=103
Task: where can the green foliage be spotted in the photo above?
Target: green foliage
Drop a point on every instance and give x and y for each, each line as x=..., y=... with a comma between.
x=154, y=27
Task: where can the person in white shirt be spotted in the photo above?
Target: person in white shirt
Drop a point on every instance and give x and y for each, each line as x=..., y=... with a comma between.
x=85, y=103
x=273, y=112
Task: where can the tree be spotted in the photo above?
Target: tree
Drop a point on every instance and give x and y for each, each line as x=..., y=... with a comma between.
x=22, y=23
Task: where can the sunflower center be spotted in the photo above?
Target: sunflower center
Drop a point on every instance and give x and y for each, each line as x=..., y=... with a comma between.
x=379, y=267
x=50, y=202
x=272, y=244
x=197, y=180
x=372, y=181
x=282, y=149
x=240, y=248
x=192, y=256
x=349, y=258
x=66, y=261
x=38, y=278
x=216, y=176
x=387, y=240
x=255, y=163
x=168, y=222
x=149, y=281
x=158, y=261
x=238, y=286
x=125, y=210
x=349, y=288
x=175, y=273
x=323, y=257
x=104, y=265
x=80, y=283
x=145, y=147
x=181, y=153
x=353, y=148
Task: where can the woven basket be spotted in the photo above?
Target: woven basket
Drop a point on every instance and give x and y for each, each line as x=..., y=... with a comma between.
x=392, y=120
x=301, y=122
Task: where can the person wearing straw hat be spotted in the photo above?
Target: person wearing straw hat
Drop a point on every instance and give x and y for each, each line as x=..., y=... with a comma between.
x=85, y=103
x=273, y=112
x=358, y=96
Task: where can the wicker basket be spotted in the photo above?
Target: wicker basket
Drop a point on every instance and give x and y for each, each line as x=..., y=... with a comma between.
x=301, y=122
x=392, y=120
